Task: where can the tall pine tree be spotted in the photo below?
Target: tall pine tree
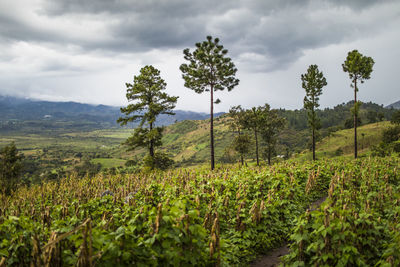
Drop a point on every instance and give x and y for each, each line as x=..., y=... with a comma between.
x=209, y=70
x=359, y=68
x=312, y=82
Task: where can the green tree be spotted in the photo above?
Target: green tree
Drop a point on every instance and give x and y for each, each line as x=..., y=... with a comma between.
x=396, y=117
x=372, y=116
x=271, y=125
x=149, y=102
x=10, y=168
x=349, y=123
x=238, y=118
x=254, y=121
x=312, y=83
x=391, y=134
x=159, y=161
x=242, y=141
x=241, y=144
x=381, y=116
x=359, y=68
x=209, y=70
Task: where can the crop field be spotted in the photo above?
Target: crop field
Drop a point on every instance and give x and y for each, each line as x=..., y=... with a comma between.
x=79, y=140
x=359, y=223
x=194, y=217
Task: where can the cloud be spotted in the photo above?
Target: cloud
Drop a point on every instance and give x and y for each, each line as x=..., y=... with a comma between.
x=277, y=30
x=78, y=41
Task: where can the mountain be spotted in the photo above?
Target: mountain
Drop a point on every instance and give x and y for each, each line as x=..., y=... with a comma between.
x=395, y=105
x=100, y=116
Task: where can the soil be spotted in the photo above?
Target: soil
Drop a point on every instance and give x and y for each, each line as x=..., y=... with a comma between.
x=273, y=257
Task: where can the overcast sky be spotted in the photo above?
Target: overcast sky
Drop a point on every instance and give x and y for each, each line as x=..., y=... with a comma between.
x=86, y=50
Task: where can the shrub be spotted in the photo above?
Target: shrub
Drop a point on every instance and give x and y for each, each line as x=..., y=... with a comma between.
x=391, y=134
x=160, y=161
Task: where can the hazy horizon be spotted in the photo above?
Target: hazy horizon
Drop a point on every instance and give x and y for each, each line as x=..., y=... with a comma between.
x=189, y=110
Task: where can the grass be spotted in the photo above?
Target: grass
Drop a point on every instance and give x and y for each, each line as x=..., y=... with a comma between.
x=109, y=162
x=342, y=142
x=191, y=139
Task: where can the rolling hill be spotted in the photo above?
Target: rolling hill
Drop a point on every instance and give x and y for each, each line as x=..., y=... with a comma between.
x=342, y=142
x=19, y=113
x=71, y=135
x=188, y=141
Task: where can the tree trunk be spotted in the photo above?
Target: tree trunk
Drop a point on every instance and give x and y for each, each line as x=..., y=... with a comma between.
x=355, y=118
x=269, y=155
x=212, y=127
x=313, y=127
x=241, y=154
x=151, y=148
x=313, y=143
x=255, y=135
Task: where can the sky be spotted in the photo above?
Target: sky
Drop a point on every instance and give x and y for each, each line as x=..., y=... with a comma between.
x=86, y=50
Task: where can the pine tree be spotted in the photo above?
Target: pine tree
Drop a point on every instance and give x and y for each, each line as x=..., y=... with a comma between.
x=209, y=70
x=149, y=102
x=312, y=82
x=359, y=68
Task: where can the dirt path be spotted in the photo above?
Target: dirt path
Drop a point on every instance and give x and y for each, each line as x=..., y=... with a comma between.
x=273, y=257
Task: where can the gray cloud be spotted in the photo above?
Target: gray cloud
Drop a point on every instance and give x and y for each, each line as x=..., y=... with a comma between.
x=73, y=37
x=278, y=30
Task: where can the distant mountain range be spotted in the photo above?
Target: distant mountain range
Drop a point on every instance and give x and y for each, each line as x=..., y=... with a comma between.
x=97, y=116
x=395, y=105
x=12, y=108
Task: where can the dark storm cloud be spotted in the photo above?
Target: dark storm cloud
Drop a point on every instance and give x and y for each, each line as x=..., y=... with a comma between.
x=275, y=32
x=359, y=4
x=13, y=29
x=165, y=7
x=137, y=26
x=82, y=49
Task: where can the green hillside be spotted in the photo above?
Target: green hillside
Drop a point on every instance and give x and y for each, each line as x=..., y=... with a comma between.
x=187, y=142
x=52, y=153
x=342, y=142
